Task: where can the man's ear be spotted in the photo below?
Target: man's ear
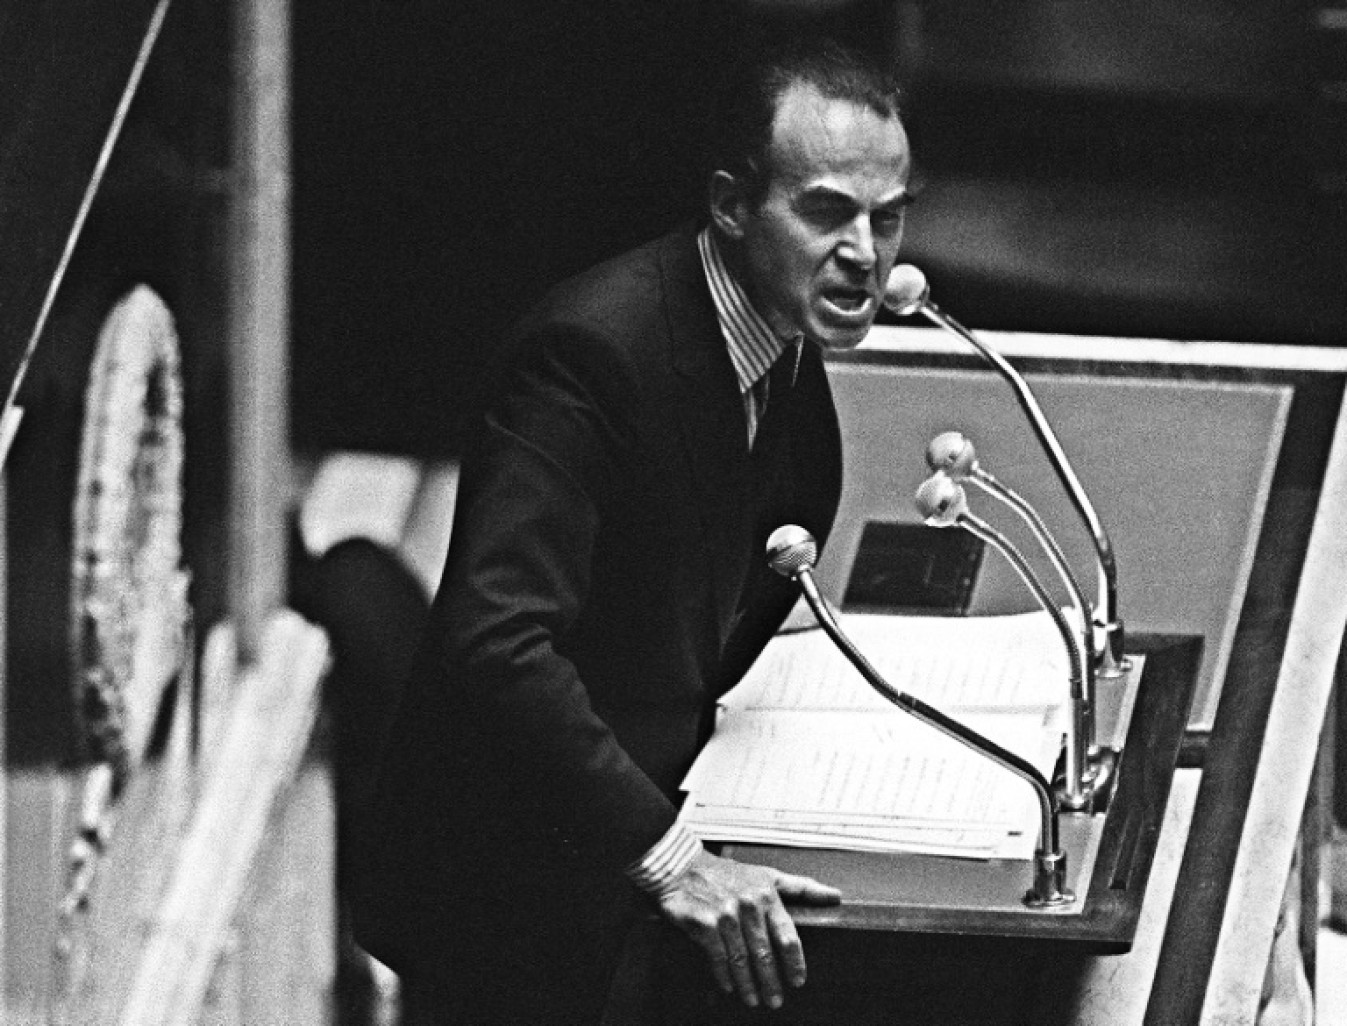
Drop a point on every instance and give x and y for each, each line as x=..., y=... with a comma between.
x=729, y=204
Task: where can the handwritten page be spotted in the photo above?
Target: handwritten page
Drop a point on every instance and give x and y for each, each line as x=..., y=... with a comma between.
x=806, y=753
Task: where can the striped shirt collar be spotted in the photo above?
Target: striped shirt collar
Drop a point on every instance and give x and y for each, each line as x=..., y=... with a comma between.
x=752, y=344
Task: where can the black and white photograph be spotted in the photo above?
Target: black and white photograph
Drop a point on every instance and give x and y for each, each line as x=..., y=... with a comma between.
x=673, y=513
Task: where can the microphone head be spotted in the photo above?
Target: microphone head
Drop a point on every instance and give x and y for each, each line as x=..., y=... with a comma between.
x=906, y=290
x=952, y=452
x=791, y=550
x=941, y=501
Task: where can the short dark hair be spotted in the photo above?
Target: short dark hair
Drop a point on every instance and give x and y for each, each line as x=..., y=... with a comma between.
x=746, y=103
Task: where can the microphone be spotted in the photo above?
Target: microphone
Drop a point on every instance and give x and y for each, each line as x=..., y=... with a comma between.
x=942, y=503
x=792, y=552
x=907, y=292
x=953, y=453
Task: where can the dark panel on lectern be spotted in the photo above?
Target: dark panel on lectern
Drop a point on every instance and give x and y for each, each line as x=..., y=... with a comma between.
x=911, y=568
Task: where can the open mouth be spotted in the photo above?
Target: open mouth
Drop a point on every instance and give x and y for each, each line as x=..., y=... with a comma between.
x=850, y=303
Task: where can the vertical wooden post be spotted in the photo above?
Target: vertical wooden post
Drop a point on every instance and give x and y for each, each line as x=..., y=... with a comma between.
x=259, y=317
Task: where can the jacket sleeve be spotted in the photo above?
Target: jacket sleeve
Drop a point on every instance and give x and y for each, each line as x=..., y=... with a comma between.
x=518, y=577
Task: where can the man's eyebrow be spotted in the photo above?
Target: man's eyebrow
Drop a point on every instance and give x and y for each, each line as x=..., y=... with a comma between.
x=827, y=192
x=901, y=198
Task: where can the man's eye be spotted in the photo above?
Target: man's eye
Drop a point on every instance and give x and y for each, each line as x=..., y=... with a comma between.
x=886, y=222
x=827, y=214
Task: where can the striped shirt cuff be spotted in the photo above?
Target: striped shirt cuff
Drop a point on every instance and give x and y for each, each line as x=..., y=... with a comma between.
x=657, y=870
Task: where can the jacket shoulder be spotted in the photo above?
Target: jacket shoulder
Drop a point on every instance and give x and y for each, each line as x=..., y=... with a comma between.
x=630, y=296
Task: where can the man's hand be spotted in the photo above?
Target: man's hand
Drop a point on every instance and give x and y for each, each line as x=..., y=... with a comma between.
x=735, y=912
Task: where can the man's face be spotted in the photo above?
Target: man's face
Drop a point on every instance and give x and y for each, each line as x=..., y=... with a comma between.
x=816, y=252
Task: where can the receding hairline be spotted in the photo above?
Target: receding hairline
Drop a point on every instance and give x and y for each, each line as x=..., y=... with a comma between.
x=749, y=113
x=771, y=155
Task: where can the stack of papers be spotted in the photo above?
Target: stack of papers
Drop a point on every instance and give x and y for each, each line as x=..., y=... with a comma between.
x=806, y=753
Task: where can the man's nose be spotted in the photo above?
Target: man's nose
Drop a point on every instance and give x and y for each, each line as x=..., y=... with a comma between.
x=857, y=246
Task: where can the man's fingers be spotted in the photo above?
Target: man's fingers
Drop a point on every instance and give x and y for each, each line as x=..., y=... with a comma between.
x=789, y=950
x=806, y=890
x=760, y=939
x=738, y=958
x=736, y=915
x=714, y=947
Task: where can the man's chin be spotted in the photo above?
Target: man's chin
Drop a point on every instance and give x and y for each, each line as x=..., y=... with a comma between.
x=838, y=340
x=843, y=325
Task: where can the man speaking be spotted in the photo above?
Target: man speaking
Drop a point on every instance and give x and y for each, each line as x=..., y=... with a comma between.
x=605, y=583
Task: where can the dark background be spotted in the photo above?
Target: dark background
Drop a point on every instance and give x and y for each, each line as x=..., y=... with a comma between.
x=455, y=159
x=1089, y=167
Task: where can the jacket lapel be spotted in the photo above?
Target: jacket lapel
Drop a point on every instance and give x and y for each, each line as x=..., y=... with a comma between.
x=710, y=417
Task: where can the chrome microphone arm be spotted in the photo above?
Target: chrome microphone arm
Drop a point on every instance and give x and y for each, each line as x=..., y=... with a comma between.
x=914, y=297
x=954, y=453
x=792, y=553
x=942, y=503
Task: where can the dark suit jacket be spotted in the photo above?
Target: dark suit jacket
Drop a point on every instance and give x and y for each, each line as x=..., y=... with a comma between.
x=605, y=584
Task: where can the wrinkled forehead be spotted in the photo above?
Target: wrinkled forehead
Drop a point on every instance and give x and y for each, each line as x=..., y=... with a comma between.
x=816, y=138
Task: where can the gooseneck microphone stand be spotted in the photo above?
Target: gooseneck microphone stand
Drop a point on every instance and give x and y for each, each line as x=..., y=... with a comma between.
x=792, y=552
x=908, y=293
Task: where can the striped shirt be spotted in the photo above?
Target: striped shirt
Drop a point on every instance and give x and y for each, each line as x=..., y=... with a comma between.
x=752, y=344
x=753, y=348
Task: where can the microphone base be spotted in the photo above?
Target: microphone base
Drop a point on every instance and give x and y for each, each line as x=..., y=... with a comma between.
x=1049, y=889
x=1096, y=790
x=1113, y=663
